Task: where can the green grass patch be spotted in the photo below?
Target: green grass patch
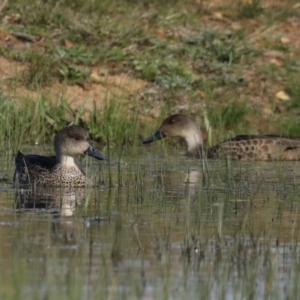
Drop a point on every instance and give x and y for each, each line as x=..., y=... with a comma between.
x=249, y=9
x=215, y=47
x=41, y=71
x=37, y=121
x=226, y=116
x=294, y=91
x=291, y=127
x=181, y=48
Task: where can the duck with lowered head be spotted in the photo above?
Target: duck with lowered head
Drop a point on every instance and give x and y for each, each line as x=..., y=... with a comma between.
x=241, y=147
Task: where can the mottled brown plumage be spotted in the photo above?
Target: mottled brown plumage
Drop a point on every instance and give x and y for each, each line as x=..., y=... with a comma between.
x=242, y=147
x=59, y=170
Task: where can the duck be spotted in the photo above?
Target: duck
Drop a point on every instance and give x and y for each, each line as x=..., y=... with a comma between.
x=242, y=147
x=61, y=169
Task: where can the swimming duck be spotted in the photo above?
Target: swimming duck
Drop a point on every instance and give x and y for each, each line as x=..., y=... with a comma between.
x=59, y=170
x=242, y=147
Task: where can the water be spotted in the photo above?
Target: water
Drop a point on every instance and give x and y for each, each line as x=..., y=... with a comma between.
x=155, y=228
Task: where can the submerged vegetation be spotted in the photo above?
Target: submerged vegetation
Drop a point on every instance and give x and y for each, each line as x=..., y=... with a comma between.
x=169, y=229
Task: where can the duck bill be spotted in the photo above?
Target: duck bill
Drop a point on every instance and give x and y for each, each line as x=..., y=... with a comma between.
x=158, y=135
x=95, y=153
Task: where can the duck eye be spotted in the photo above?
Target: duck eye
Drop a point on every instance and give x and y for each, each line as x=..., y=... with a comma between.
x=77, y=138
x=172, y=121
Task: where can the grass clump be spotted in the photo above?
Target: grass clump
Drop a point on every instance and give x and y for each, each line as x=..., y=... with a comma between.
x=291, y=127
x=32, y=121
x=73, y=74
x=249, y=9
x=294, y=91
x=41, y=72
x=216, y=47
x=227, y=116
x=76, y=55
x=171, y=81
x=110, y=125
x=37, y=121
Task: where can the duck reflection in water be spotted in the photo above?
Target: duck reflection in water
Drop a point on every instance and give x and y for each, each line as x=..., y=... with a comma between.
x=59, y=201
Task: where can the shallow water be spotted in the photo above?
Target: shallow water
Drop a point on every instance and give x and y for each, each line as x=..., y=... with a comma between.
x=155, y=227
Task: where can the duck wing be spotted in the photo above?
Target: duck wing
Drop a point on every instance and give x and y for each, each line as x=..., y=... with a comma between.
x=46, y=162
x=31, y=164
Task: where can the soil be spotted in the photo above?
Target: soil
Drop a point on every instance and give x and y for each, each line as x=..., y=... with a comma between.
x=105, y=84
